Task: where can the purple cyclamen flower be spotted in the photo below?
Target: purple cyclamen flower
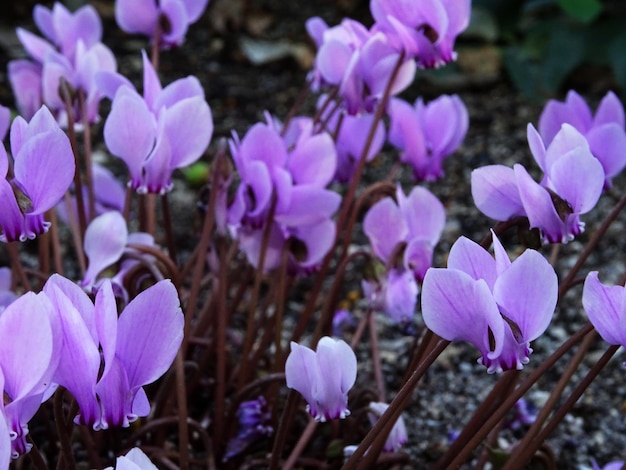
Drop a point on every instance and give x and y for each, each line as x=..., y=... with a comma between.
x=323, y=377
x=425, y=30
x=295, y=173
x=106, y=243
x=427, y=133
x=170, y=17
x=106, y=360
x=398, y=435
x=255, y=422
x=74, y=54
x=408, y=231
x=350, y=137
x=165, y=129
x=497, y=305
x=359, y=62
x=571, y=186
x=29, y=354
x=606, y=308
x=604, y=131
x=43, y=169
x=134, y=459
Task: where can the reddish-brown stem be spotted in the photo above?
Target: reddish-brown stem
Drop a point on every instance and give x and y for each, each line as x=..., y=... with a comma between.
x=383, y=426
x=300, y=445
x=522, y=388
x=558, y=416
x=167, y=223
x=378, y=372
x=16, y=265
x=181, y=399
x=256, y=289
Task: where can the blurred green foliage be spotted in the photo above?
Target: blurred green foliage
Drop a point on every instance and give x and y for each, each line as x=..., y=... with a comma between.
x=546, y=42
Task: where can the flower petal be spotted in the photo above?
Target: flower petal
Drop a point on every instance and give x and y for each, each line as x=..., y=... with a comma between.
x=105, y=240
x=150, y=331
x=495, y=192
x=457, y=307
x=604, y=305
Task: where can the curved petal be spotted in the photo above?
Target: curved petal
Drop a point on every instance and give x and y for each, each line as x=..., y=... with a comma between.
x=106, y=323
x=150, y=331
x=385, y=227
x=471, y=258
x=608, y=144
x=318, y=240
x=578, y=178
x=337, y=366
x=495, y=192
x=526, y=294
x=27, y=346
x=178, y=90
x=105, y=240
x=302, y=372
x=610, y=111
x=604, y=305
x=130, y=130
x=536, y=145
x=457, y=307
x=424, y=214
x=309, y=205
x=189, y=127
x=313, y=160
x=540, y=208
x=136, y=16
x=45, y=169
x=400, y=295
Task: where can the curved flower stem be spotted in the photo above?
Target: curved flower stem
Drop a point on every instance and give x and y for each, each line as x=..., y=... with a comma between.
x=521, y=389
x=300, y=445
x=379, y=432
x=55, y=242
x=203, y=245
x=171, y=268
x=76, y=236
x=554, y=396
x=256, y=290
x=356, y=337
x=35, y=456
x=591, y=245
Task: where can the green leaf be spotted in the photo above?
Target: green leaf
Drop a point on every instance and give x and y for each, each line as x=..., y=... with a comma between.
x=618, y=59
x=583, y=10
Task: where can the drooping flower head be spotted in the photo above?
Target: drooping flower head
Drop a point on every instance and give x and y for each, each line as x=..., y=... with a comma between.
x=323, y=377
x=361, y=63
x=43, y=169
x=425, y=30
x=74, y=54
x=496, y=304
x=159, y=132
x=106, y=360
x=29, y=354
x=403, y=234
x=290, y=175
x=171, y=18
x=571, y=186
x=427, y=133
x=604, y=130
